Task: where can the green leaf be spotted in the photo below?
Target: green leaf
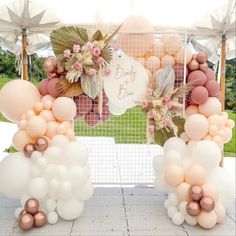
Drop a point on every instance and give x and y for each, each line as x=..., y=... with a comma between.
x=97, y=36
x=65, y=37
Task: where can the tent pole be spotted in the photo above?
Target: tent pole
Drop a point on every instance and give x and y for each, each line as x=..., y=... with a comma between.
x=24, y=55
x=222, y=81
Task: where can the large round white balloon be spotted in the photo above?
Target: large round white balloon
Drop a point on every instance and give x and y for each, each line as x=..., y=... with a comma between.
x=38, y=188
x=85, y=192
x=76, y=153
x=175, y=144
x=54, y=155
x=15, y=173
x=224, y=183
x=115, y=110
x=207, y=154
x=70, y=209
x=77, y=176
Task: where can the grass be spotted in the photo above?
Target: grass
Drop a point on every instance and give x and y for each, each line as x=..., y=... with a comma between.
x=129, y=127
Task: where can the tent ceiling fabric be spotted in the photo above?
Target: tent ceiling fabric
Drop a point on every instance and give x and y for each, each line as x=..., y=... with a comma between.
x=203, y=20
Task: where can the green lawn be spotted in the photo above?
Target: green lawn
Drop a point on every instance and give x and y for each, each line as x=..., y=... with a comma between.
x=128, y=128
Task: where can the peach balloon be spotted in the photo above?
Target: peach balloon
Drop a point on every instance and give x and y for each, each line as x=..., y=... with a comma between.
x=51, y=129
x=36, y=127
x=29, y=114
x=174, y=175
x=180, y=55
x=16, y=98
x=210, y=190
x=217, y=120
x=22, y=124
x=172, y=44
x=182, y=191
x=196, y=126
x=207, y=220
x=67, y=124
x=158, y=49
x=70, y=134
x=213, y=130
x=167, y=60
x=230, y=123
x=153, y=63
x=220, y=212
x=38, y=106
x=47, y=98
x=228, y=134
x=20, y=139
x=210, y=107
x=47, y=115
x=195, y=175
x=207, y=137
x=191, y=110
x=64, y=109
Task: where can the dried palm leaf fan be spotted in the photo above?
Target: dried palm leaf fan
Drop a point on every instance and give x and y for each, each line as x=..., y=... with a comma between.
x=77, y=82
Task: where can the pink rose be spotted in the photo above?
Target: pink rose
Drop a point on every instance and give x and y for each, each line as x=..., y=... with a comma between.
x=89, y=45
x=96, y=52
x=151, y=129
x=92, y=72
x=150, y=114
x=100, y=60
x=76, y=48
x=149, y=92
x=78, y=65
x=107, y=71
x=144, y=104
x=168, y=105
x=67, y=53
x=167, y=98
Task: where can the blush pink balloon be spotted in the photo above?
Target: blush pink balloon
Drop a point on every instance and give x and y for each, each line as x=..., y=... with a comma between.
x=199, y=95
x=16, y=98
x=210, y=74
x=52, y=87
x=196, y=126
x=193, y=65
x=197, y=78
x=213, y=88
x=191, y=110
x=47, y=115
x=83, y=104
x=91, y=119
x=43, y=87
x=51, y=129
x=36, y=127
x=210, y=107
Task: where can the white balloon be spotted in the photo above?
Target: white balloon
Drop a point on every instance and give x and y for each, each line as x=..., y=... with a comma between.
x=59, y=141
x=61, y=172
x=36, y=155
x=191, y=220
x=51, y=205
x=166, y=203
x=224, y=183
x=15, y=173
x=76, y=153
x=65, y=190
x=35, y=171
x=85, y=192
x=207, y=154
x=49, y=171
x=173, y=199
x=53, y=155
x=38, y=188
x=172, y=157
x=171, y=211
x=52, y=218
x=23, y=199
x=77, y=176
x=70, y=209
x=175, y=144
x=191, y=145
x=41, y=162
x=160, y=185
x=18, y=211
x=186, y=163
x=55, y=184
x=182, y=207
x=178, y=218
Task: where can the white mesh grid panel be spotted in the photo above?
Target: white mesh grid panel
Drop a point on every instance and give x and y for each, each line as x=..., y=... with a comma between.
x=118, y=149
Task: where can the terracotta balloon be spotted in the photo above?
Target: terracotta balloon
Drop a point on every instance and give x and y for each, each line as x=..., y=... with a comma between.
x=199, y=95
x=36, y=127
x=32, y=205
x=197, y=78
x=40, y=219
x=196, y=192
x=210, y=74
x=193, y=65
x=83, y=104
x=203, y=67
x=193, y=208
x=43, y=87
x=213, y=88
x=41, y=144
x=52, y=87
x=207, y=220
x=26, y=222
x=207, y=203
x=174, y=175
x=158, y=49
x=29, y=149
x=20, y=139
x=91, y=119
x=16, y=98
x=201, y=57
x=195, y=175
x=49, y=64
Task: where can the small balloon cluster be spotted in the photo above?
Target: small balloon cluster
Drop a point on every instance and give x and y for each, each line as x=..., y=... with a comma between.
x=203, y=80
x=50, y=165
x=198, y=189
x=30, y=216
x=88, y=108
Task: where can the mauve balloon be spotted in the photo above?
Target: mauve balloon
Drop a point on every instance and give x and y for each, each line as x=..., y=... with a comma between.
x=199, y=95
x=210, y=74
x=52, y=87
x=197, y=78
x=83, y=104
x=91, y=119
x=43, y=87
x=213, y=88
